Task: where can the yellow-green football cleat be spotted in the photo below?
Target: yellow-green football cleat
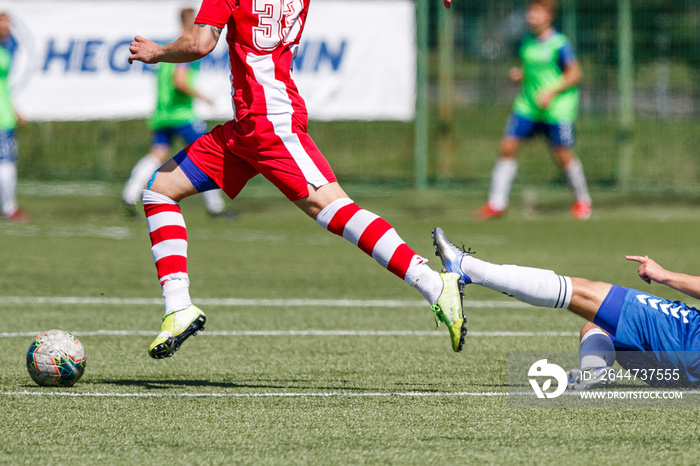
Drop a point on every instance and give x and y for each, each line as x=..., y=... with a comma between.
x=449, y=309
x=176, y=328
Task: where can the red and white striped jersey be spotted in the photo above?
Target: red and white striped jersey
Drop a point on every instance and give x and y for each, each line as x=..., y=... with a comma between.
x=262, y=37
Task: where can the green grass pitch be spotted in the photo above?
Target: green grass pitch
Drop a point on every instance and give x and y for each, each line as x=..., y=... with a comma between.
x=312, y=353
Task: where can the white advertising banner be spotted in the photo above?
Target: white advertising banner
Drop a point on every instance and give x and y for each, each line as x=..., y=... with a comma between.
x=356, y=59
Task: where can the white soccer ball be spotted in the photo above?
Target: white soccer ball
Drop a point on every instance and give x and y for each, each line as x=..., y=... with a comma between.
x=56, y=358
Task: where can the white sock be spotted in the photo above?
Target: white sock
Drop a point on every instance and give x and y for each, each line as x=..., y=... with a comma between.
x=177, y=295
x=596, y=350
x=474, y=268
x=428, y=282
x=8, y=185
x=213, y=201
x=577, y=180
x=538, y=287
x=501, y=181
x=140, y=174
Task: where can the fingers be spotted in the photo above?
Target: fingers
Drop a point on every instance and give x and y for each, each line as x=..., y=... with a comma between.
x=134, y=48
x=643, y=269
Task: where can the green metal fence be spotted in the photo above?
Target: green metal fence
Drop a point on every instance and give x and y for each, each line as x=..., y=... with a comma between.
x=638, y=125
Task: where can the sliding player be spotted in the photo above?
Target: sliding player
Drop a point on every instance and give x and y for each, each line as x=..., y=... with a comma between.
x=650, y=332
x=267, y=136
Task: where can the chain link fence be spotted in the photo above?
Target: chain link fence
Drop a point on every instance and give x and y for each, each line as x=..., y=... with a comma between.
x=657, y=149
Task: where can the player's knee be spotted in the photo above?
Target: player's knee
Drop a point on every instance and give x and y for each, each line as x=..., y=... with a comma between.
x=509, y=147
x=587, y=327
x=160, y=152
x=564, y=156
x=319, y=198
x=169, y=180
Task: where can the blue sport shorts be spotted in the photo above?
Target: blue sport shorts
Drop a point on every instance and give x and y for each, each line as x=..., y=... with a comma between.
x=665, y=333
x=8, y=146
x=189, y=132
x=519, y=127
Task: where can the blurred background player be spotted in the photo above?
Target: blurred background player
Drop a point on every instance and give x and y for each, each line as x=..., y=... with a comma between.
x=9, y=119
x=547, y=104
x=174, y=116
x=638, y=329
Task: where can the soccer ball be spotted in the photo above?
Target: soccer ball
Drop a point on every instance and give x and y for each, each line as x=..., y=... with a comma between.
x=56, y=358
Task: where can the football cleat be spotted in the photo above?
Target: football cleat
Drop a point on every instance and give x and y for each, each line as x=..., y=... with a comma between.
x=486, y=212
x=18, y=216
x=449, y=309
x=226, y=214
x=450, y=255
x=175, y=329
x=130, y=210
x=582, y=210
x=585, y=379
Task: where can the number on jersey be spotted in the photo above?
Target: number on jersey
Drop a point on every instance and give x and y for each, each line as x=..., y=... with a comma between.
x=278, y=22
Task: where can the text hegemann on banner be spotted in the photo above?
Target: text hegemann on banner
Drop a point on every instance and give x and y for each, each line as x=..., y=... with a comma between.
x=356, y=60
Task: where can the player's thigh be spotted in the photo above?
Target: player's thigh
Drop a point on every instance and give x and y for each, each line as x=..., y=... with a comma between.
x=280, y=149
x=170, y=180
x=215, y=160
x=587, y=296
x=198, y=167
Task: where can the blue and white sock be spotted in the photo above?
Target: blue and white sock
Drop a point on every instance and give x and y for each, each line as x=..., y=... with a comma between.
x=596, y=350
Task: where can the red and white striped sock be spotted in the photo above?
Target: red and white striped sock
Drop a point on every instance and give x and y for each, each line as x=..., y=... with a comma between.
x=166, y=227
x=377, y=238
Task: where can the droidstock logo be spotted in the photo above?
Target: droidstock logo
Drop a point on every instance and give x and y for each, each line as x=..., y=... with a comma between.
x=542, y=369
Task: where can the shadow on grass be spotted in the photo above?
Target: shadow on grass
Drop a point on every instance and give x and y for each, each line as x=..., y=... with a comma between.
x=166, y=384
x=170, y=384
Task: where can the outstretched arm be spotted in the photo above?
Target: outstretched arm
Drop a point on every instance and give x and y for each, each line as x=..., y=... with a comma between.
x=571, y=76
x=182, y=84
x=192, y=45
x=650, y=271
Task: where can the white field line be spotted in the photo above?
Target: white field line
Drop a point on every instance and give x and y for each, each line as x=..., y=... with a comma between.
x=262, y=395
x=251, y=302
x=273, y=303
x=320, y=333
x=291, y=394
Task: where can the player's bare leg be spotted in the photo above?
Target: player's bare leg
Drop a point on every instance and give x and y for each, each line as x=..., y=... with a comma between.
x=502, y=177
x=583, y=205
x=168, y=233
x=140, y=174
x=331, y=207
